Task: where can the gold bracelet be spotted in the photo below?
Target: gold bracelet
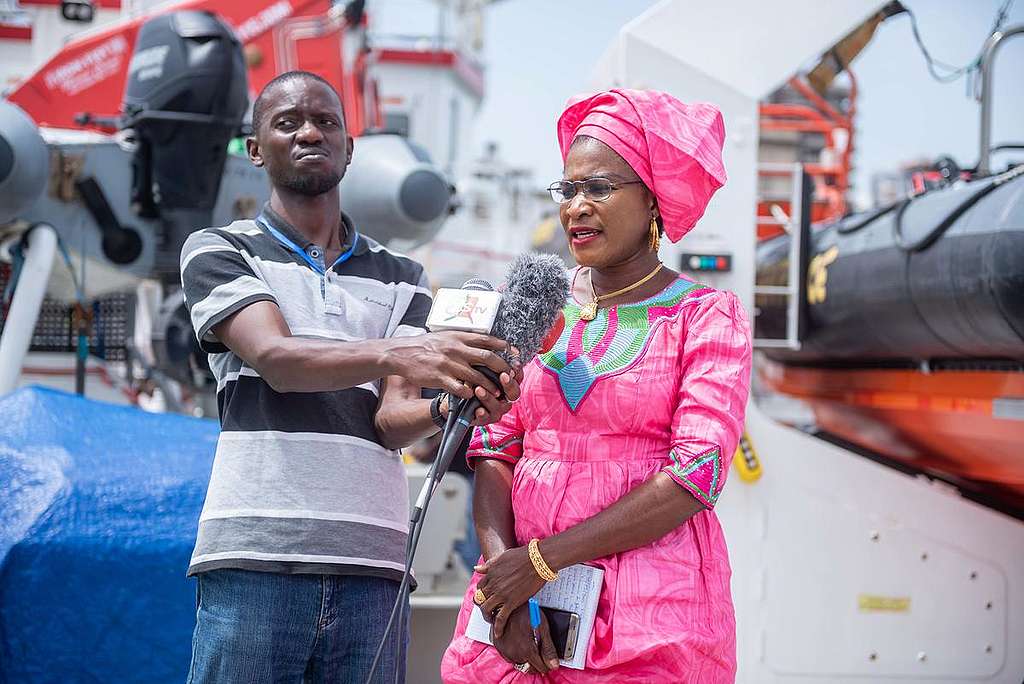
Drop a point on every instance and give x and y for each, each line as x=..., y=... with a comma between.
x=542, y=568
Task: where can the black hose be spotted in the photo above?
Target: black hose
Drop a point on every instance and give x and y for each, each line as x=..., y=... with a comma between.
x=845, y=228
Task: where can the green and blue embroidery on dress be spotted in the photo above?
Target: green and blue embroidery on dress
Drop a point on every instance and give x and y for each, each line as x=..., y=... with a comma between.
x=611, y=343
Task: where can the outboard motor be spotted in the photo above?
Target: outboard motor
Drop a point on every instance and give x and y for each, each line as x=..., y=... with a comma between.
x=185, y=97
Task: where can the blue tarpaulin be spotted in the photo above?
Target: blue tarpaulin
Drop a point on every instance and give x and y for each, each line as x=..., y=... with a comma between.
x=98, y=512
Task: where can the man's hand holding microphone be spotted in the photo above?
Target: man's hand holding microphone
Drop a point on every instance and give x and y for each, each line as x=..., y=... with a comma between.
x=452, y=360
x=479, y=335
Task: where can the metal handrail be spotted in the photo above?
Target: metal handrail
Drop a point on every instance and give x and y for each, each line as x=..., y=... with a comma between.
x=988, y=57
x=792, y=289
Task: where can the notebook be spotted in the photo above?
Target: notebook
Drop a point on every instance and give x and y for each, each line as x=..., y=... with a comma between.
x=576, y=590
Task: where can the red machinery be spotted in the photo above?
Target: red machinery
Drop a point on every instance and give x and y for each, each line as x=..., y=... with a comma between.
x=88, y=74
x=831, y=180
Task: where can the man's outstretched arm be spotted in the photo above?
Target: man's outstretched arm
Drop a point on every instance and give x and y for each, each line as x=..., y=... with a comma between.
x=259, y=335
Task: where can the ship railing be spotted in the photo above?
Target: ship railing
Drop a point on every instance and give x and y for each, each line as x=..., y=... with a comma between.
x=798, y=226
x=989, y=52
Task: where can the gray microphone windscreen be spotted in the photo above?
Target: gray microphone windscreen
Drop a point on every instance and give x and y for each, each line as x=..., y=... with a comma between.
x=536, y=287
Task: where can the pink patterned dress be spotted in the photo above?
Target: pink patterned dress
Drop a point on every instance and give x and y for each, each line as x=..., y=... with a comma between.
x=656, y=386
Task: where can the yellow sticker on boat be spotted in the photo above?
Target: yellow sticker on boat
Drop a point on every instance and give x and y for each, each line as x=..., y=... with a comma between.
x=745, y=460
x=817, y=275
x=873, y=603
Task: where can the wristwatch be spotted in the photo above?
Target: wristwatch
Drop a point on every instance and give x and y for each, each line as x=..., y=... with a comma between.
x=435, y=411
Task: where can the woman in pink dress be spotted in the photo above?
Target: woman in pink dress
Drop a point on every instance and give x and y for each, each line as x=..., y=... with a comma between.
x=619, y=446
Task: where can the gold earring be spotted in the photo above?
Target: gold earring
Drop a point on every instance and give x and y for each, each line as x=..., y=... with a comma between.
x=654, y=239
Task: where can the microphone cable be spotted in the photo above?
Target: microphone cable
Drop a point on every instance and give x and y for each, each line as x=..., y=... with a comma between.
x=446, y=451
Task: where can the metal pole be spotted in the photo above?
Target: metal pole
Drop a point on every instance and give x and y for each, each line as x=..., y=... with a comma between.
x=26, y=303
x=796, y=204
x=987, y=60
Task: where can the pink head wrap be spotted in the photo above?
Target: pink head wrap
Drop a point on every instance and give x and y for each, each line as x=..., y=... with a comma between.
x=675, y=148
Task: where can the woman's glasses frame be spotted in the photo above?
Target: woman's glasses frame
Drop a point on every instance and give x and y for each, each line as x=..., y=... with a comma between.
x=593, y=189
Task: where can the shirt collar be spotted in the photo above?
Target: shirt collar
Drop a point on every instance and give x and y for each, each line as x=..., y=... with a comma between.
x=292, y=233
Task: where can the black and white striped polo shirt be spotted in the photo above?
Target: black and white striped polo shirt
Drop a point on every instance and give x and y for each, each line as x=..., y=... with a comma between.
x=300, y=482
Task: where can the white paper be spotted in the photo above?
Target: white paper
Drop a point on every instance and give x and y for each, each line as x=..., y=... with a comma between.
x=576, y=590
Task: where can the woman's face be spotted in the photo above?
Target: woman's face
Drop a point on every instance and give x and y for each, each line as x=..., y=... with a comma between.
x=609, y=232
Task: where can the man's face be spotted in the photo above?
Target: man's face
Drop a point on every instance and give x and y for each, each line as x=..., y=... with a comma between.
x=302, y=141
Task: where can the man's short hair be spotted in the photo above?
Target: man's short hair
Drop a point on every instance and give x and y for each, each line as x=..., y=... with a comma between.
x=259, y=108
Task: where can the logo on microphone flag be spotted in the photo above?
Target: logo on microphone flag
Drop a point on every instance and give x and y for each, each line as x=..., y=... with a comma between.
x=465, y=310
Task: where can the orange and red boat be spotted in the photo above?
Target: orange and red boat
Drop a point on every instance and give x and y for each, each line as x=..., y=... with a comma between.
x=912, y=333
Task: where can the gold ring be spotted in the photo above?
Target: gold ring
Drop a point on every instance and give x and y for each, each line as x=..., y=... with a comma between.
x=479, y=597
x=523, y=667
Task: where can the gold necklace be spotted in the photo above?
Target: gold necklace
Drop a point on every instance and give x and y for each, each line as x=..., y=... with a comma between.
x=589, y=311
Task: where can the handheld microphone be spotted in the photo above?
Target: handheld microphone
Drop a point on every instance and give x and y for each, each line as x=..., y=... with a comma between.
x=535, y=290
x=471, y=308
x=521, y=312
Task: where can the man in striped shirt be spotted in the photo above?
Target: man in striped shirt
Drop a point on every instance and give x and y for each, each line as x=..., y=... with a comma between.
x=316, y=337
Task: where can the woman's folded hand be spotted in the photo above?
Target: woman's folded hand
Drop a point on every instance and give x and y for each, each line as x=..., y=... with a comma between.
x=518, y=646
x=509, y=580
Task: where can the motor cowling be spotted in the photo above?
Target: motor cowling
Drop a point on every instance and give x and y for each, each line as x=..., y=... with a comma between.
x=185, y=98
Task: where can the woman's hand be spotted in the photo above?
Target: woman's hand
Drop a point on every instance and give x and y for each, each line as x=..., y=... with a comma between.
x=491, y=407
x=509, y=580
x=516, y=645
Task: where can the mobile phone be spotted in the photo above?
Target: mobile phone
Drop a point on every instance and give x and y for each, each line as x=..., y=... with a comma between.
x=564, y=627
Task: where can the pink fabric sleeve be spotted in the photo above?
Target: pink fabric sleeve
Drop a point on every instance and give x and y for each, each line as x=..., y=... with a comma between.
x=502, y=440
x=712, y=395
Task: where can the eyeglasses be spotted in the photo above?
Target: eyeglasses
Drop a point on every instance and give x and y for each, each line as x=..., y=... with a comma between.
x=594, y=189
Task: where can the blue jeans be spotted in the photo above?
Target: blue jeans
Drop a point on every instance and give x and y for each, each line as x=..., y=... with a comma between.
x=262, y=627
